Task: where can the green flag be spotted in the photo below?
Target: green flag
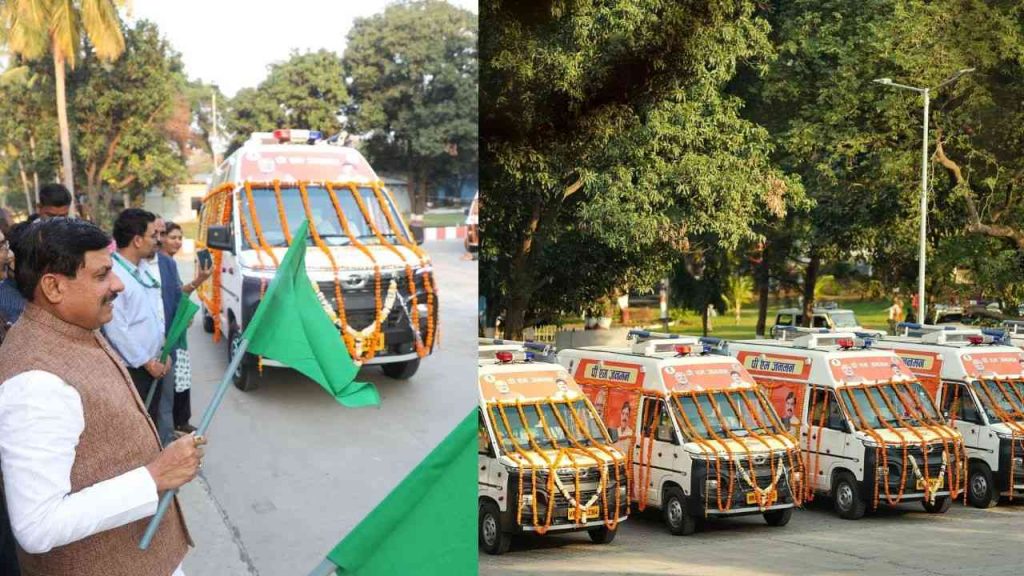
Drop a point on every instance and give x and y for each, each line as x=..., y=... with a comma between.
x=179, y=326
x=290, y=326
x=427, y=524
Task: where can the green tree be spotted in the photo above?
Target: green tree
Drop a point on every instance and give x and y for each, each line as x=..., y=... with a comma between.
x=738, y=291
x=856, y=145
x=27, y=126
x=611, y=149
x=306, y=91
x=35, y=27
x=414, y=86
x=128, y=120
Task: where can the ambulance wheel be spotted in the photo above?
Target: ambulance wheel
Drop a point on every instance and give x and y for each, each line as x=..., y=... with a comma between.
x=244, y=377
x=981, y=490
x=602, y=535
x=940, y=506
x=778, y=517
x=849, y=504
x=673, y=509
x=401, y=370
x=492, y=539
x=207, y=323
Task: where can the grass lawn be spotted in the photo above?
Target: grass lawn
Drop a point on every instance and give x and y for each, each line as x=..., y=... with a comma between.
x=870, y=313
x=437, y=219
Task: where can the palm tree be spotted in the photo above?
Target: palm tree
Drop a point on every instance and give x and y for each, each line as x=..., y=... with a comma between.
x=33, y=26
x=738, y=291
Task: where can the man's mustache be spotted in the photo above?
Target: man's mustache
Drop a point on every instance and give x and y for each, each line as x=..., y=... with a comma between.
x=109, y=299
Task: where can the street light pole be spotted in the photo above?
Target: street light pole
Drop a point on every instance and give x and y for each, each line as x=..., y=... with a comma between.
x=924, y=214
x=926, y=93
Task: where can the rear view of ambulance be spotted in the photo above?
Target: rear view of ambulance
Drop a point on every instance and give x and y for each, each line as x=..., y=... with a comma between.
x=702, y=441
x=869, y=431
x=546, y=463
x=977, y=378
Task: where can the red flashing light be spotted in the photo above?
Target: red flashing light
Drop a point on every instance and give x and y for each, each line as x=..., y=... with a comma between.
x=976, y=339
x=282, y=135
x=683, y=350
x=504, y=357
x=845, y=343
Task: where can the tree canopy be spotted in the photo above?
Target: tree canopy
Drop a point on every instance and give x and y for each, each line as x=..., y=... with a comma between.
x=306, y=91
x=413, y=77
x=611, y=148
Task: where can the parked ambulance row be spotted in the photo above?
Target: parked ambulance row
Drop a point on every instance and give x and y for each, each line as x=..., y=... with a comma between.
x=704, y=428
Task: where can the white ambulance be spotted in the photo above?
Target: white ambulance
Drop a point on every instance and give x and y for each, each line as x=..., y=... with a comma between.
x=1015, y=330
x=372, y=279
x=978, y=381
x=869, y=431
x=546, y=461
x=702, y=440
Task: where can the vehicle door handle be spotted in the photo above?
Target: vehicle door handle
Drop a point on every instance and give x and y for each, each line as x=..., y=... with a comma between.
x=659, y=454
x=483, y=467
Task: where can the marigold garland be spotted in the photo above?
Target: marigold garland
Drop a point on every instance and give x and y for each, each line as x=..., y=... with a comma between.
x=221, y=213
x=570, y=453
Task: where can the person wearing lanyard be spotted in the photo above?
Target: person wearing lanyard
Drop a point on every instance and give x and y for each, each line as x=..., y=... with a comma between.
x=136, y=331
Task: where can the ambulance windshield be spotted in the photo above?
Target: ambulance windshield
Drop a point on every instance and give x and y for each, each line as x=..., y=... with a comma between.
x=1003, y=400
x=888, y=405
x=724, y=414
x=324, y=216
x=538, y=424
x=844, y=319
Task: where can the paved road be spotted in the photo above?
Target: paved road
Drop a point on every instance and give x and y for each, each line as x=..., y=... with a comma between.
x=907, y=541
x=289, y=472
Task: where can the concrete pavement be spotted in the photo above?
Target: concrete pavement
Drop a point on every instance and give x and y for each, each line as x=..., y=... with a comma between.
x=906, y=541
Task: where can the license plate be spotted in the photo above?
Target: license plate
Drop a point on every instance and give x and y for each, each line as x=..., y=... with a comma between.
x=752, y=498
x=589, y=514
x=936, y=485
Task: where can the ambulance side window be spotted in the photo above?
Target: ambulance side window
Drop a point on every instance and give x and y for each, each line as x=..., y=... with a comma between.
x=784, y=320
x=483, y=440
x=660, y=427
x=959, y=404
x=825, y=401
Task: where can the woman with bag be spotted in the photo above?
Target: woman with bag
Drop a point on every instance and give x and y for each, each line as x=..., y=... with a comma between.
x=182, y=366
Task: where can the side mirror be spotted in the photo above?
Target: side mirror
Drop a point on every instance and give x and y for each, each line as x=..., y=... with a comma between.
x=197, y=204
x=613, y=433
x=219, y=238
x=465, y=211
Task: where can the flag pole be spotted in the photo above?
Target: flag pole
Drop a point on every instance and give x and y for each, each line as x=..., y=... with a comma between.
x=326, y=568
x=218, y=396
x=152, y=392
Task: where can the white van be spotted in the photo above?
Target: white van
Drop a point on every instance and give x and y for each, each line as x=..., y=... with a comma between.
x=978, y=381
x=546, y=463
x=701, y=439
x=869, y=431
x=372, y=279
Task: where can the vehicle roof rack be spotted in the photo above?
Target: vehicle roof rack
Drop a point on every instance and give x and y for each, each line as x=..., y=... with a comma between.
x=812, y=338
x=930, y=334
x=489, y=348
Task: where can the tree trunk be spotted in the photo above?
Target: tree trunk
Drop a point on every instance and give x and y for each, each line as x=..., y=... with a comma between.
x=35, y=171
x=24, y=184
x=62, y=120
x=810, y=279
x=763, y=277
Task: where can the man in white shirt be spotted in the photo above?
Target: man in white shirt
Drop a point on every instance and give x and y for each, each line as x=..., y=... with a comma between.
x=136, y=331
x=81, y=461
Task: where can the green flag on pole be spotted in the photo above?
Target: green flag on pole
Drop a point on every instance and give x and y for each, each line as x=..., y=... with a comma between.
x=290, y=326
x=427, y=524
x=179, y=326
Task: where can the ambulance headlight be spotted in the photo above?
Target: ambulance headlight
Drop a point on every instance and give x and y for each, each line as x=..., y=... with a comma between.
x=1018, y=462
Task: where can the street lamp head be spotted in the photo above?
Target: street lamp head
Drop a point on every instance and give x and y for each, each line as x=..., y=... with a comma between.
x=883, y=80
x=966, y=71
